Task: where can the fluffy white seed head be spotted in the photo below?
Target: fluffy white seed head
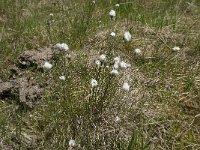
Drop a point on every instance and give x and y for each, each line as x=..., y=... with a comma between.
x=127, y=36
x=138, y=51
x=47, y=66
x=125, y=87
x=117, y=59
x=116, y=65
x=98, y=62
x=72, y=143
x=176, y=49
x=113, y=34
x=112, y=13
x=51, y=14
x=114, y=72
x=62, y=46
x=102, y=57
x=94, y=83
x=117, y=5
x=58, y=45
x=124, y=65
x=62, y=78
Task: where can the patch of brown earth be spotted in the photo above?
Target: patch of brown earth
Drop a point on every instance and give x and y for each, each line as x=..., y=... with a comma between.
x=35, y=57
x=24, y=88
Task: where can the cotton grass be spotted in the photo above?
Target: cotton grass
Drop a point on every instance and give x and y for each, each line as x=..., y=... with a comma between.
x=94, y=83
x=47, y=66
x=126, y=87
x=112, y=13
x=127, y=36
x=62, y=46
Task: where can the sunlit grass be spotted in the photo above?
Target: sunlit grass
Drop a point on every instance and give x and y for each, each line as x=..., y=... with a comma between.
x=151, y=102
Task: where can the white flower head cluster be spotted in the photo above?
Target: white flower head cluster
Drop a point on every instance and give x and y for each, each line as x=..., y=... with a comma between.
x=98, y=63
x=138, y=51
x=176, y=49
x=117, y=59
x=113, y=34
x=72, y=143
x=117, y=5
x=114, y=72
x=126, y=87
x=62, y=46
x=116, y=66
x=116, y=62
x=112, y=13
x=47, y=66
x=124, y=65
x=62, y=78
x=119, y=63
x=102, y=57
x=94, y=83
x=127, y=36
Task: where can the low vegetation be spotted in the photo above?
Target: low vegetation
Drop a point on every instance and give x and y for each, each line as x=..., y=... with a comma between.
x=103, y=74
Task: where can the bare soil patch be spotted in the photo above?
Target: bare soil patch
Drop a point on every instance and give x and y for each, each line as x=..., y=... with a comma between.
x=22, y=87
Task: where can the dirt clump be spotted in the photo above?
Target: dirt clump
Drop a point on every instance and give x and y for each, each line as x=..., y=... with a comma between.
x=35, y=57
x=22, y=87
x=5, y=88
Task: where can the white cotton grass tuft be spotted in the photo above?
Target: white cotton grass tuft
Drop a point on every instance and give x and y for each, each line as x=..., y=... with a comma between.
x=117, y=5
x=113, y=34
x=116, y=65
x=117, y=119
x=62, y=46
x=102, y=57
x=124, y=65
x=138, y=51
x=94, y=83
x=126, y=87
x=117, y=59
x=51, y=14
x=176, y=49
x=127, y=36
x=62, y=78
x=72, y=143
x=47, y=66
x=98, y=62
x=112, y=13
x=116, y=62
x=114, y=72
